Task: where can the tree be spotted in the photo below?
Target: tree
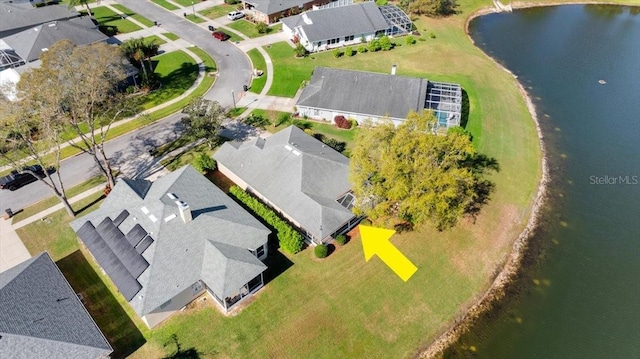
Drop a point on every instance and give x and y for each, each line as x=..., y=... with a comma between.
x=429, y=7
x=27, y=128
x=74, y=3
x=300, y=50
x=203, y=120
x=85, y=80
x=415, y=174
x=137, y=50
x=262, y=28
x=385, y=43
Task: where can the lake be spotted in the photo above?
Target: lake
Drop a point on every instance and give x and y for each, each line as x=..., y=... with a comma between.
x=581, y=65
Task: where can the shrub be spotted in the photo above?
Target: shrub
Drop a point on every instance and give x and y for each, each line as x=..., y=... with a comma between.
x=262, y=28
x=410, y=40
x=432, y=35
x=385, y=43
x=353, y=123
x=337, y=53
x=203, y=163
x=365, y=222
x=349, y=51
x=290, y=240
x=231, y=2
x=335, y=144
x=362, y=49
x=342, y=122
x=341, y=239
x=381, y=2
x=283, y=119
x=300, y=50
x=321, y=251
x=257, y=121
x=374, y=45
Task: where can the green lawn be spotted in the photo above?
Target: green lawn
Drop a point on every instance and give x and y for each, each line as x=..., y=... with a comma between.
x=288, y=71
x=186, y=2
x=195, y=18
x=155, y=38
x=53, y=200
x=177, y=72
x=165, y=4
x=258, y=63
x=217, y=11
x=107, y=17
x=249, y=28
x=186, y=157
x=141, y=19
x=171, y=36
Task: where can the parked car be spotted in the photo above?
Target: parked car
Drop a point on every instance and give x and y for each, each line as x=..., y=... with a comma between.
x=235, y=15
x=17, y=179
x=220, y=35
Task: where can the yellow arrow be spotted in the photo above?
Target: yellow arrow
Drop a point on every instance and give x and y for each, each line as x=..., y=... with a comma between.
x=376, y=241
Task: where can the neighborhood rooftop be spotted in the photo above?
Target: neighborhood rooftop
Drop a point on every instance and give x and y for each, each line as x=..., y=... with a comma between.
x=274, y=6
x=329, y=23
x=296, y=173
x=41, y=316
x=18, y=17
x=29, y=44
x=156, y=240
x=363, y=94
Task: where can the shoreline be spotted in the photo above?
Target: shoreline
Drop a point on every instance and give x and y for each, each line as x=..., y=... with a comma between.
x=513, y=263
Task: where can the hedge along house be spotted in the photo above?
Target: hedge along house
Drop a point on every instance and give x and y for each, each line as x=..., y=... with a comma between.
x=332, y=27
x=165, y=243
x=271, y=11
x=298, y=176
x=361, y=96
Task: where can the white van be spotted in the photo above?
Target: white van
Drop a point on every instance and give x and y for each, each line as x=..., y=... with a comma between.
x=235, y=15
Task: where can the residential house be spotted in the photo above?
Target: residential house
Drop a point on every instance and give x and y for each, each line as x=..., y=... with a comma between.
x=20, y=16
x=361, y=95
x=332, y=27
x=42, y=317
x=297, y=175
x=270, y=11
x=30, y=44
x=165, y=243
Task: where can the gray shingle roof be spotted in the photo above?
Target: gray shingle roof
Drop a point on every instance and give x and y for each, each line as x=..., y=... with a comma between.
x=365, y=93
x=355, y=19
x=275, y=6
x=29, y=44
x=178, y=256
x=304, y=182
x=18, y=16
x=41, y=316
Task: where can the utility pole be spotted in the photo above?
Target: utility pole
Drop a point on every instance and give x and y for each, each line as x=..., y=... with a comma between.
x=233, y=96
x=193, y=8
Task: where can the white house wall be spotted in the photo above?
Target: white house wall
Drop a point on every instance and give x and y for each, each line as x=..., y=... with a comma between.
x=323, y=45
x=329, y=115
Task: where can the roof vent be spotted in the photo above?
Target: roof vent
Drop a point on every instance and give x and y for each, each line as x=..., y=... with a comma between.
x=172, y=196
x=185, y=211
x=288, y=148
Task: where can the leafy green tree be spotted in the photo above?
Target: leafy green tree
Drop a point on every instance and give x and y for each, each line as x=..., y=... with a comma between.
x=417, y=175
x=74, y=3
x=262, y=28
x=203, y=163
x=257, y=121
x=374, y=45
x=137, y=50
x=429, y=7
x=203, y=120
x=385, y=43
x=300, y=50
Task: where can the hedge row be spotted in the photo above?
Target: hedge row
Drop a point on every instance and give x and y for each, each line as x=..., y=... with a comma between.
x=290, y=240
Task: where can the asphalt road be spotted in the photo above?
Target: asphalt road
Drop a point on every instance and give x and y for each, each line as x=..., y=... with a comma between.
x=129, y=153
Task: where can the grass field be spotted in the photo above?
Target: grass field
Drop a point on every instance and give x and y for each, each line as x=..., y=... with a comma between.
x=177, y=72
x=186, y=3
x=165, y=4
x=171, y=36
x=155, y=38
x=257, y=60
x=249, y=28
x=217, y=11
x=107, y=17
x=141, y=19
x=195, y=18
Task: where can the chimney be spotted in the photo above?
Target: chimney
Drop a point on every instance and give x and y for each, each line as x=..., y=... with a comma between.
x=185, y=211
x=393, y=69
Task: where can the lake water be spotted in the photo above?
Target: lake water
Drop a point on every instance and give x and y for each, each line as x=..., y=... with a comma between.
x=583, y=300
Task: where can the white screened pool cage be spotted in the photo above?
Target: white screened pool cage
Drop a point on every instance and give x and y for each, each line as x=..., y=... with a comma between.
x=9, y=59
x=445, y=100
x=399, y=23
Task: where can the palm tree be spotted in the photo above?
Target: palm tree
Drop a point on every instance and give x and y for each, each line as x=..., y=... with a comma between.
x=74, y=3
x=133, y=49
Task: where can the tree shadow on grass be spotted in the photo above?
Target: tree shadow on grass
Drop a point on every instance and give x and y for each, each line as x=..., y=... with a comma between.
x=113, y=321
x=188, y=353
x=88, y=205
x=173, y=84
x=464, y=111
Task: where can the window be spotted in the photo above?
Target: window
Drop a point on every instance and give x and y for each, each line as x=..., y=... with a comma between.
x=319, y=43
x=260, y=251
x=349, y=38
x=333, y=41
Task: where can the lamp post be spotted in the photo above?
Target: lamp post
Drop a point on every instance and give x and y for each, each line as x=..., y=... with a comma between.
x=233, y=96
x=193, y=8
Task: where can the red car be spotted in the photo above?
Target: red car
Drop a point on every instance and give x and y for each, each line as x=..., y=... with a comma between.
x=220, y=35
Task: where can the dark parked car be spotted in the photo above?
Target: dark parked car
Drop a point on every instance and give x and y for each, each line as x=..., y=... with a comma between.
x=220, y=35
x=17, y=179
